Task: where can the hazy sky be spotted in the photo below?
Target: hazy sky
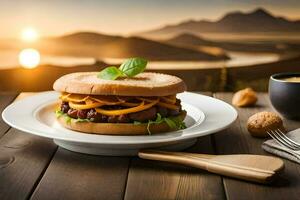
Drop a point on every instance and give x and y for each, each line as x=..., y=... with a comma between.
x=55, y=17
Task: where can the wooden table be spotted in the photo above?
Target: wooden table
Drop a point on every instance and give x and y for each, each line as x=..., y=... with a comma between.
x=32, y=167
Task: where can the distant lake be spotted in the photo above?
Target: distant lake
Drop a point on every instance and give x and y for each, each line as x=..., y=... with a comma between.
x=237, y=59
x=9, y=59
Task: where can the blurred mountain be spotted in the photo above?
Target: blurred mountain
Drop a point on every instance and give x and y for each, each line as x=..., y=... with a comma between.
x=86, y=38
x=194, y=41
x=189, y=39
x=128, y=47
x=259, y=20
x=88, y=44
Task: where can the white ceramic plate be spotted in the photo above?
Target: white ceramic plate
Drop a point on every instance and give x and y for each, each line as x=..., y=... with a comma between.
x=35, y=115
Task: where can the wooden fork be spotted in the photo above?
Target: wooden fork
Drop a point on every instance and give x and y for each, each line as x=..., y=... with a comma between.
x=256, y=168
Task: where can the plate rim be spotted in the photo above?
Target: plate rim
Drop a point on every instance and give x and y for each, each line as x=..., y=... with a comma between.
x=191, y=135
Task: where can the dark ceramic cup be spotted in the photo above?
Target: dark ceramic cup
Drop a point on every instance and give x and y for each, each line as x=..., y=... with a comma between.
x=284, y=95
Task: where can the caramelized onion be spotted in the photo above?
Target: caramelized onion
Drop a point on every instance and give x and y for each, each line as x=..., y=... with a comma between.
x=82, y=102
x=79, y=106
x=142, y=106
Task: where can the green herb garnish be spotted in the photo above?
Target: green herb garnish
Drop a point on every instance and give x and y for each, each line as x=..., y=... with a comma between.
x=67, y=118
x=173, y=122
x=82, y=120
x=129, y=68
x=137, y=123
x=59, y=113
x=133, y=66
x=110, y=73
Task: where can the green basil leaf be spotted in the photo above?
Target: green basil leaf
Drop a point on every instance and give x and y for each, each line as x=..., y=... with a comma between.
x=133, y=66
x=110, y=73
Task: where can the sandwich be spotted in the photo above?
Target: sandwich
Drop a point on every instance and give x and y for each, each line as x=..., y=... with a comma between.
x=120, y=102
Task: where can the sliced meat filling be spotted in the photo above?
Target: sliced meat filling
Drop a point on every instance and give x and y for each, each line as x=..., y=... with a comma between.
x=142, y=116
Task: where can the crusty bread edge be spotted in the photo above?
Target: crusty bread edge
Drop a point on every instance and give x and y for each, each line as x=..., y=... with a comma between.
x=116, y=128
x=69, y=86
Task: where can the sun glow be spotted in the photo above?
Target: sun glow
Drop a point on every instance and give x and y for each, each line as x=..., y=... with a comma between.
x=29, y=35
x=29, y=58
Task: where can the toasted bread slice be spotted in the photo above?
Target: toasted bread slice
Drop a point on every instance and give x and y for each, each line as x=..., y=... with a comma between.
x=144, y=84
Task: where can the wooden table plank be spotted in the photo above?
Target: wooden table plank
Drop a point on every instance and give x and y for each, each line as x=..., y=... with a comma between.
x=78, y=176
x=5, y=100
x=159, y=180
x=23, y=159
x=236, y=139
x=30, y=156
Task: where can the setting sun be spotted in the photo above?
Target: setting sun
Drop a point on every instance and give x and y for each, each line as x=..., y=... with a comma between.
x=29, y=34
x=29, y=58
